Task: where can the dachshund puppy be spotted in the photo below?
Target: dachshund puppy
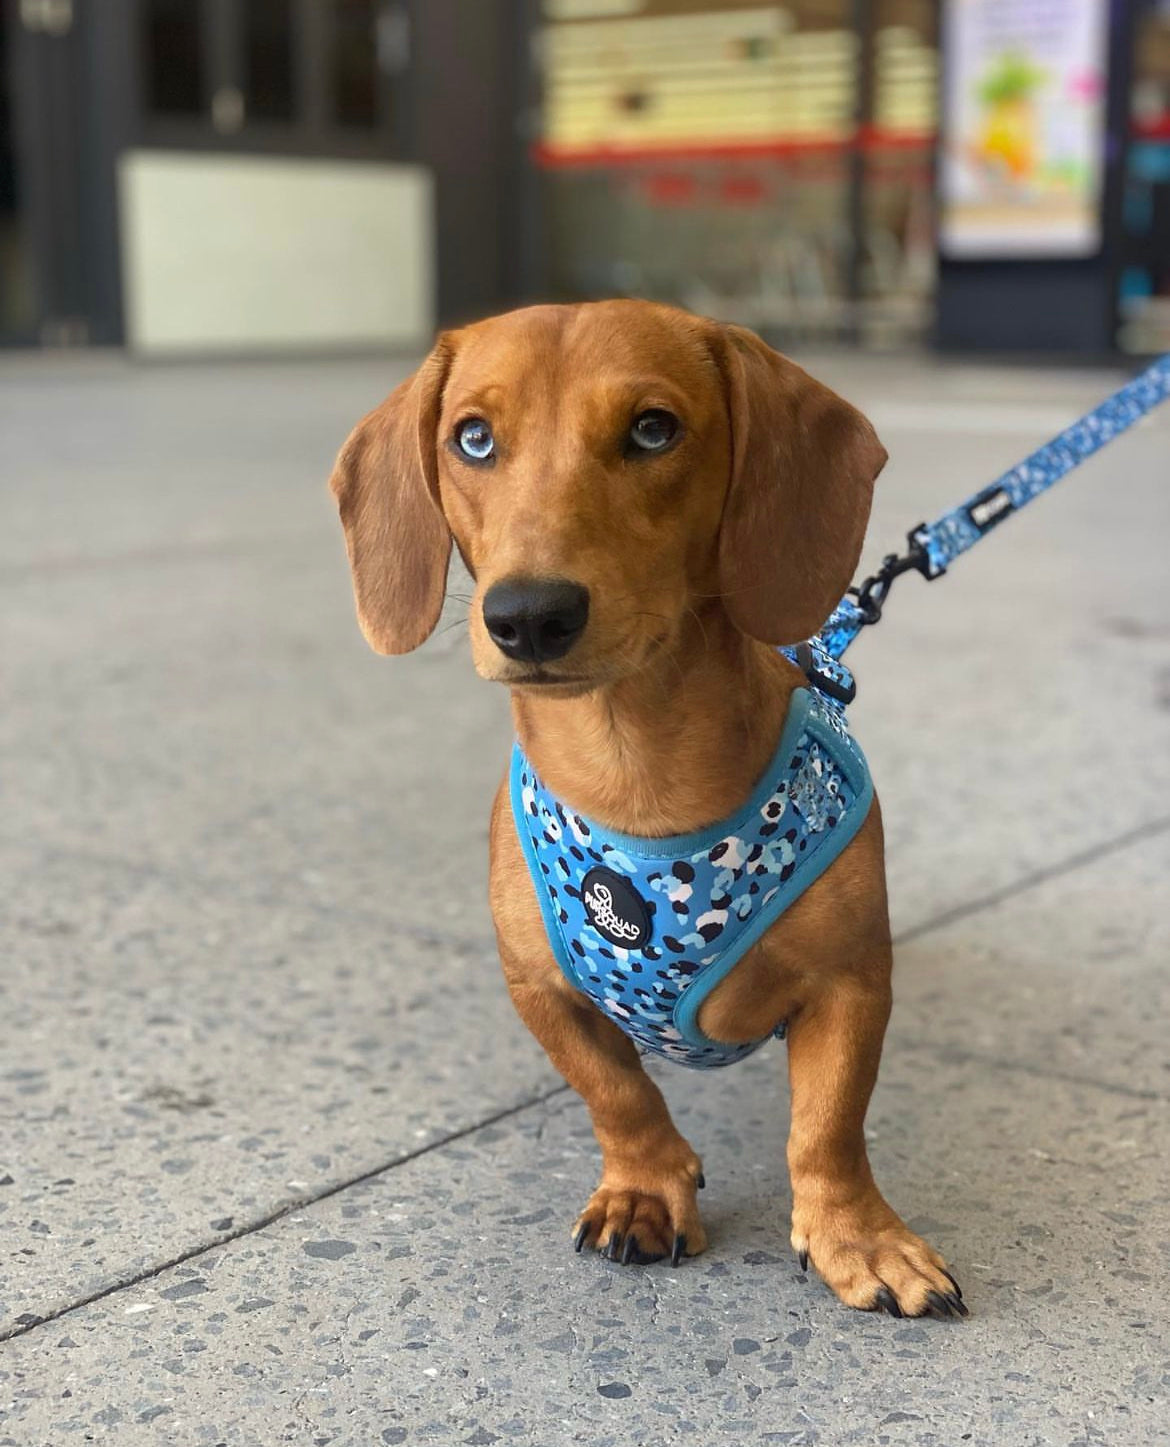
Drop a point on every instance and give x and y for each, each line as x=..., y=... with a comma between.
x=651, y=504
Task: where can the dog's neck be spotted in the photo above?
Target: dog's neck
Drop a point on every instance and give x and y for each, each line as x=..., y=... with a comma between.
x=675, y=747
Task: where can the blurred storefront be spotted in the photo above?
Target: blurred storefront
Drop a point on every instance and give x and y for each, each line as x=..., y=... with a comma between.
x=771, y=163
x=216, y=175
x=984, y=174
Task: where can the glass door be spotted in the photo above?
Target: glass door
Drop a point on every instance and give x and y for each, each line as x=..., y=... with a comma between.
x=44, y=296
x=18, y=309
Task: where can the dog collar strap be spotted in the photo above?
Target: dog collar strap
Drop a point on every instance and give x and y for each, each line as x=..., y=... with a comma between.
x=648, y=927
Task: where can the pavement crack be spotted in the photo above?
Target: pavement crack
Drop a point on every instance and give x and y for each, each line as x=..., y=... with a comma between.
x=655, y=1299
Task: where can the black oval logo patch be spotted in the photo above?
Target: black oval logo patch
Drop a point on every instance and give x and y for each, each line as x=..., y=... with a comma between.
x=615, y=909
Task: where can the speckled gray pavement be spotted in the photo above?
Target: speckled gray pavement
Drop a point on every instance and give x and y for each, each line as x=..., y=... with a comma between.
x=279, y=1165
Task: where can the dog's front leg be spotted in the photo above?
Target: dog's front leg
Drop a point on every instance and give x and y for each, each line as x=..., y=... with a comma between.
x=840, y=1220
x=645, y=1206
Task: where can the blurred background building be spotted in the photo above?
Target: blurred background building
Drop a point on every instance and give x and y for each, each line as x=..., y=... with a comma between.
x=203, y=176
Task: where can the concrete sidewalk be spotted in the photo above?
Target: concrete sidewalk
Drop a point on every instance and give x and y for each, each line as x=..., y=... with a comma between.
x=278, y=1162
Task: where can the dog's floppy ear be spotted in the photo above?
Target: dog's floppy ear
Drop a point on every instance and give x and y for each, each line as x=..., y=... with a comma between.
x=802, y=473
x=386, y=484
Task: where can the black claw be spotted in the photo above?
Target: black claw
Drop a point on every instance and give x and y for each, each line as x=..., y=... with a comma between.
x=702, y=1181
x=955, y=1284
x=887, y=1300
x=956, y=1304
x=631, y=1250
x=678, y=1250
x=802, y=1257
x=580, y=1238
x=615, y=1246
x=939, y=1303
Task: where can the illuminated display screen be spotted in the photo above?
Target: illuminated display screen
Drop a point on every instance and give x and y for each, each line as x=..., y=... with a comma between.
x=1021, y=160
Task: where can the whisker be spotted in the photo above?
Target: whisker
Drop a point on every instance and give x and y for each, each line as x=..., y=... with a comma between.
x=446, y=628
x=702, y=629
x=728, y=592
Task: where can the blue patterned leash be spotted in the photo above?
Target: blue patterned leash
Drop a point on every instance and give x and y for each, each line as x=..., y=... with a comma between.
x=932, y=547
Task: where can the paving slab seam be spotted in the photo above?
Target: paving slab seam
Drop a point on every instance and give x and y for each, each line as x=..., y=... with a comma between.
x=39, y=569
x=1068, y=865
x=141, y=869
x=249, y=1228
x=946, y=1056
x=985, y=902
x=434, y=939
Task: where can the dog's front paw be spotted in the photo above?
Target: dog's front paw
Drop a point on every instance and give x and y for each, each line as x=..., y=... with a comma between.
x=873, y=1261
x=641, y=1215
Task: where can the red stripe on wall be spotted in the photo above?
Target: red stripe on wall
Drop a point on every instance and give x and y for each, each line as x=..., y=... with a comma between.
x=866, y=138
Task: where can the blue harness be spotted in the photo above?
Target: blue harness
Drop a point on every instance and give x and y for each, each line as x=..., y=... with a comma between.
x=648, y=927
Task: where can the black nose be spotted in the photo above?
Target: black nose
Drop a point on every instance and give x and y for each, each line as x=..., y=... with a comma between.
x=534, y=620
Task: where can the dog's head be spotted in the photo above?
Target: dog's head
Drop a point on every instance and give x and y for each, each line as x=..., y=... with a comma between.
x=603, y=469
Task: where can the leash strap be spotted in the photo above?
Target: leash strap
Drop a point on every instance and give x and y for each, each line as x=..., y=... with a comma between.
x=932, y=547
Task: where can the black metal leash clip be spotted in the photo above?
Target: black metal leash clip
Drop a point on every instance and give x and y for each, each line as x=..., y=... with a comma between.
x=871, y=593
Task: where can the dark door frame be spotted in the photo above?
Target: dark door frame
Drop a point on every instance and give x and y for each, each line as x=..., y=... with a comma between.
x=70, y=119
x=43, y=56
x=80, y=104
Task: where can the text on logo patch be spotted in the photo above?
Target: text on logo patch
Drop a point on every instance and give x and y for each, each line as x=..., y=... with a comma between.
x=615, y=908
x=990, y=508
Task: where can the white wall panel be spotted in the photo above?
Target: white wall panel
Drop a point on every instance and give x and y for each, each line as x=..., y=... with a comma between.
x=225, y=253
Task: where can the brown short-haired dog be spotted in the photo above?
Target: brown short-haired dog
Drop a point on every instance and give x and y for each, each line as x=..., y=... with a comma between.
x=664, y=499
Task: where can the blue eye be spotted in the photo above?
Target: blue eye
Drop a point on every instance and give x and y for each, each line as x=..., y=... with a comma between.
x=655, y=430
x=475, y=439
